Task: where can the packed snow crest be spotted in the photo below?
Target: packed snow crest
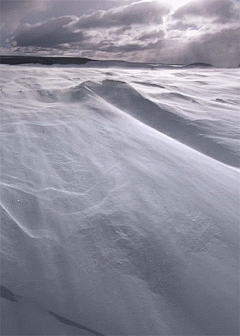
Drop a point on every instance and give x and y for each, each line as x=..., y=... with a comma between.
x=119, y=201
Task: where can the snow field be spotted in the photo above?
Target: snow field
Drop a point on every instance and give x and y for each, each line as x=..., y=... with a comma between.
x=120, y=200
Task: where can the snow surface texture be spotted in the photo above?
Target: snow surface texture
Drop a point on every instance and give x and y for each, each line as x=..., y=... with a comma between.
x=119, y=201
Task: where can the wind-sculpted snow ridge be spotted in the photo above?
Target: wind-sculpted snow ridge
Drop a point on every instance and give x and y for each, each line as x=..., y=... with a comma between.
x=118, y=214
x=194, y=133
x=191, y=133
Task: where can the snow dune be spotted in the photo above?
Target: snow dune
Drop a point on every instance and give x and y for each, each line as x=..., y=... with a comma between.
x=119, y=201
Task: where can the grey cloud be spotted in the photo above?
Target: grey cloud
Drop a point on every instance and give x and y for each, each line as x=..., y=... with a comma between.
x=131, y=42
x=8, y=6
x=48, y=34
x=112, y=48
x=15, y=11
x=152, y=35
x=183, y=26
x=221, y=10
x=80, y=7
x=70, y=29
x=220, y=49
x=136, y=32
x=12, y=11
x=135, y=13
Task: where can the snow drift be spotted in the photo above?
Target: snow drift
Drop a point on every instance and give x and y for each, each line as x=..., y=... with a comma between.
x=119, y=201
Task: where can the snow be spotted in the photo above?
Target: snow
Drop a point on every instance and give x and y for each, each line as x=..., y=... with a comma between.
x=119, y=201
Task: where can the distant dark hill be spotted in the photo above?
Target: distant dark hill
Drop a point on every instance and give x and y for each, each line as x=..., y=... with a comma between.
x=45, y=60
x=66, y=60
x=198, y=64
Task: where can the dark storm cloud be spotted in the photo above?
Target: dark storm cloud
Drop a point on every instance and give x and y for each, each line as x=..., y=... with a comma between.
x=69, y=29
x=221, y=10
x=135, y=13
x=48, y=34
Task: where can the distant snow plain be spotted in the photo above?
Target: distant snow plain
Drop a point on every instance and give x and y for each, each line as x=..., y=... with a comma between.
x=119, y=201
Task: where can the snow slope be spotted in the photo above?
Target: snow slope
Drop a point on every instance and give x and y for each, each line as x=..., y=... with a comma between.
x=119, y=201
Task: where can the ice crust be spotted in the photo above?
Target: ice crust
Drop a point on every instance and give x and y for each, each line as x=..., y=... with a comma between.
x=119, y=201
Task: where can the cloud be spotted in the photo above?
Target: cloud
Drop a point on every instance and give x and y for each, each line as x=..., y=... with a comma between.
x=23, y=6
x=131, y=41
x=117, y=29
x=220, y=10
x=221, y=49
x=141, y=13
x=12, y=11
x=201, y=31
x=50, y=33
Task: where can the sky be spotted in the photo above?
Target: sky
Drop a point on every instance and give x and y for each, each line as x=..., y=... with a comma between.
x=155, y=31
